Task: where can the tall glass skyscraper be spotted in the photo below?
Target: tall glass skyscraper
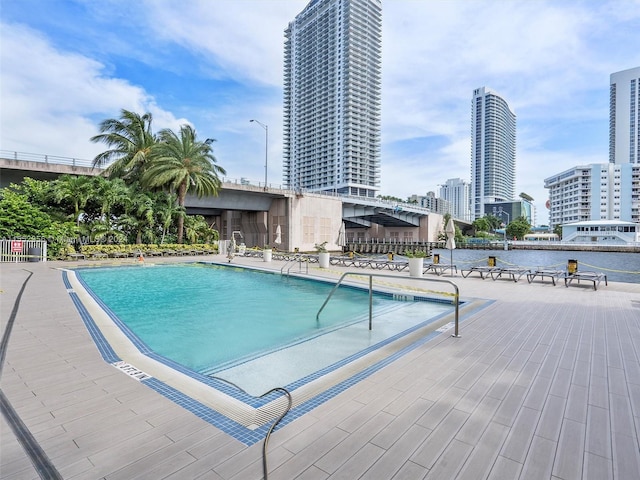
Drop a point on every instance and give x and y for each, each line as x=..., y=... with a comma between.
x=332, y=92
x=493, y=150
x=624, y=117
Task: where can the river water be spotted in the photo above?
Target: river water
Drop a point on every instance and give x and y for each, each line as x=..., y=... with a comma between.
x=619, y=267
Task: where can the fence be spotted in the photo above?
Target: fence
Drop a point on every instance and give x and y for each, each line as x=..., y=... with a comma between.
x=23, y=251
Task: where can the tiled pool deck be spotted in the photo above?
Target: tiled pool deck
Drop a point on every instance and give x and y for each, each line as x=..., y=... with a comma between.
x=544, y=383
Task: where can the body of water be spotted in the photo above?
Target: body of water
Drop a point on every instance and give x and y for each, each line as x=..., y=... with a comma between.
x=204, y=316
x=619, y=267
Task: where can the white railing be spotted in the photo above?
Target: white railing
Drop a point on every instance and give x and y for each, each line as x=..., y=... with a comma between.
x=18, y=250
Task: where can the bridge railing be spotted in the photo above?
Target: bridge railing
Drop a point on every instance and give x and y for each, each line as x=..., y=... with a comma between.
x=397, y=207
x=53, y=159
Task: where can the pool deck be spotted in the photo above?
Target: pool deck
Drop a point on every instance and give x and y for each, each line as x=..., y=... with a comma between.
x=544, y=383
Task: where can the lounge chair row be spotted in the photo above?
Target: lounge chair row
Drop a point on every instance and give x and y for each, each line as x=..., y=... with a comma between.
x=376, y=264
x=136, y=254
x=516, y=273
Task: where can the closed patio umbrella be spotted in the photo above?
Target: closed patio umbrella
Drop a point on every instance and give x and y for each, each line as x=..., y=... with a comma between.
x=341, y=236
x=450, y=231
x=278, y=239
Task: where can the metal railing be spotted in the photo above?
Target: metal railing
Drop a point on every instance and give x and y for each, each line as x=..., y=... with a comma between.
x=456, y=300
x=292, y=262
x=46, y=159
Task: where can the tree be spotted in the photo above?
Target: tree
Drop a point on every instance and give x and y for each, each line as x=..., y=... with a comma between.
x=481, y=224
x=130, y=140
x=167, y=209
x=139, y=217
x=109, y=194
x=518, y=228
x=197, y=230
x=558, y=231
x=22, y=218
x=183, y=165
x=390, y=198
x=75, y=190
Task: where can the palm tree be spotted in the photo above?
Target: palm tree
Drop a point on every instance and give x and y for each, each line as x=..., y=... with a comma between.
x=130, y=141
x=110, y=193
x=167, y=209
x=75, y=189
x=139, y=218
x=184, y=165
x=197, y=230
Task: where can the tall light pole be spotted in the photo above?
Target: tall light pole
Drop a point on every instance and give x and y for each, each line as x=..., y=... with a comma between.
x=266, y=149
x=505, y=227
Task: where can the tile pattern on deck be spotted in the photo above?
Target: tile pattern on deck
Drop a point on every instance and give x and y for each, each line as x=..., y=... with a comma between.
x=544, y=383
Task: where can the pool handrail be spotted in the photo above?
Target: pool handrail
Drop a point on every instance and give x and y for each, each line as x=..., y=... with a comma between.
x=296, y=259
x=371, y=275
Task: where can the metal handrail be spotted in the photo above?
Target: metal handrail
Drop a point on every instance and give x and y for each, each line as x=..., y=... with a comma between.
x=297, y=259
x=371, y=275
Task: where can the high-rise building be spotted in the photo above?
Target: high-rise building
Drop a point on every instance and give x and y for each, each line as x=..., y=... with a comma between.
x=433, y=203
x=493, y=150
x=599, y=191
x=332, y=93
x=457, y=192
x=624, y=117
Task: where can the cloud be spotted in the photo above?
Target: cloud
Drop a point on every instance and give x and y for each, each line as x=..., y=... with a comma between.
x=241, y=39
x=52, y=101
x=218, y=64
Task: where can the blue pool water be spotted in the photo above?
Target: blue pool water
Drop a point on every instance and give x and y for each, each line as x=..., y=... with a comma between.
x=206, y=316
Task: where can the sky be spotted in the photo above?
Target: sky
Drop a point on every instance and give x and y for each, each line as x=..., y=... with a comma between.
x=66, y=65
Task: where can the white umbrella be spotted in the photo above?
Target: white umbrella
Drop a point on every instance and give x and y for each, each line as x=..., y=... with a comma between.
x=341, y=235
x=450, y=231
x=278, y=239
x=232, y=249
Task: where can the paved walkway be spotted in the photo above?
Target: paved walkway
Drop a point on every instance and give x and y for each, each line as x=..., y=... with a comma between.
x=543, y=384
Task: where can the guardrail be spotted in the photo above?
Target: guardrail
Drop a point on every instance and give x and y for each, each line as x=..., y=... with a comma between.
x=47, y=159
x=378, y=275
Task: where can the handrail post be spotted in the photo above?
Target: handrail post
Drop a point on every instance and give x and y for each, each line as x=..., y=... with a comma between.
x=456, y=302
x=370, y=301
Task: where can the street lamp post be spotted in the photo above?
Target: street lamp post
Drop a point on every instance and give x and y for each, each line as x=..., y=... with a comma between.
x=505, y=227
x=266, y=148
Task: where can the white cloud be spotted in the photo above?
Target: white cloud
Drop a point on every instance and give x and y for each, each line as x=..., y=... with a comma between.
x=242, y=39
x=52, y=101
x=550, y=60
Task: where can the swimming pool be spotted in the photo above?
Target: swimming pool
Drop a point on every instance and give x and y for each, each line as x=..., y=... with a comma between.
x=206, y=317
x=146, y=304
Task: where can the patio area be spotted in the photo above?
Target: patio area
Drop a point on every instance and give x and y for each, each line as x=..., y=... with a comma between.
x=543, y=384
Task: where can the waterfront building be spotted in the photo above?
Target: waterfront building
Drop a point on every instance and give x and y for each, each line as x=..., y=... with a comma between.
x=624, y=117
x=433, y=203
x=332, y=95
x=600, y=191
x=509, y=211
x=601, y=231
x=493, y=150
x=458, y=193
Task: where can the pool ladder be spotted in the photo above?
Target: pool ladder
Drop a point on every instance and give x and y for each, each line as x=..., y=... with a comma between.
x=299, y=259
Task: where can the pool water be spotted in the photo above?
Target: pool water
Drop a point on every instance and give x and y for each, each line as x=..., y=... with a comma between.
x=208, y=317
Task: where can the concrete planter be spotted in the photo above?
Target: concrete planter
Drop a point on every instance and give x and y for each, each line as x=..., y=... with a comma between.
x=323, y=259
x=416, y=267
